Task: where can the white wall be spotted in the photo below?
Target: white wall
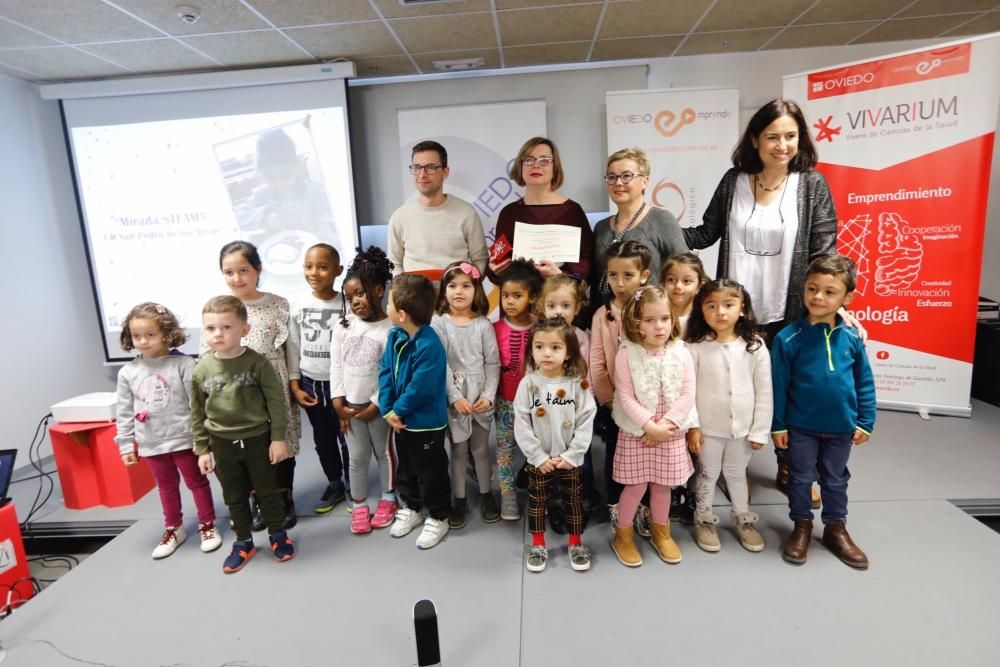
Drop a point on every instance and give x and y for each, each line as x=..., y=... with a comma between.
x=49, y=336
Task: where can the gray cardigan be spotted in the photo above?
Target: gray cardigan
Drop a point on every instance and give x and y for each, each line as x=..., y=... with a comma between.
x=817, y=234
x=658, y=230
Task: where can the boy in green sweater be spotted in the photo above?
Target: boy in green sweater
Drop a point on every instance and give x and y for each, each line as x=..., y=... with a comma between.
x=239, y=415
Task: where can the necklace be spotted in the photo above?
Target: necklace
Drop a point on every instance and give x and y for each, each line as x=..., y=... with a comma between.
x=631, y=223
x=763, y=187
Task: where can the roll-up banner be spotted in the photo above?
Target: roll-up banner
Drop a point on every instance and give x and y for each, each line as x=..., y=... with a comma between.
x=688, y=134
x=905, y=142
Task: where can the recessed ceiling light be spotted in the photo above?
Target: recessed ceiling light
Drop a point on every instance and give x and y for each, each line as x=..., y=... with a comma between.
x=188, y=13
x=459, y=64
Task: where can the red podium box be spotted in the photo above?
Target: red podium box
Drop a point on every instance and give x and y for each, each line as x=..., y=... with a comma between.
x=90, y=468
x=14, y=570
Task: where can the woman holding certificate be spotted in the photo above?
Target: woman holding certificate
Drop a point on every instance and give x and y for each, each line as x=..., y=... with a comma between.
x=627, y=177
x=554, y=231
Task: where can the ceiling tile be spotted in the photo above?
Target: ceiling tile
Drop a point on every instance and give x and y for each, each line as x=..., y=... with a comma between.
x=12, y=37
x=933, y=7
x=17, y=73
x=832, y=11
x=347, y=40
x=651, y=17
x=832, y=34
x=985, y=23
x=385, y=66
x=310, y=12
x=264, y=47
x=61, y=62
x=216, y=16
x=924, y=28
x=76, y=21
x=739, y=14
x=725, y=42
x=470, y=31
x=531, y=4
x=545, y=26
x=152, y=55
x=637, y=47
x=522, y=56
x=426, y=60
x=392, y=9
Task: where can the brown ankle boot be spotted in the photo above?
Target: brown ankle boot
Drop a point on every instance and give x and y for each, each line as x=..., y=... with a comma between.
x=665, y=546
x=624, y=546
x=781, y=480
x=836, y=539
x=797, y=547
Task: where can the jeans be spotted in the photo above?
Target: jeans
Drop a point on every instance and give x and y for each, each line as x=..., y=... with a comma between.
x=812, y=455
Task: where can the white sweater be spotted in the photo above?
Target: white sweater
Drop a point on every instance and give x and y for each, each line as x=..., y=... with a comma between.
x=355, y=356
x=733, y=394
x=423, y=237
x=565, y=426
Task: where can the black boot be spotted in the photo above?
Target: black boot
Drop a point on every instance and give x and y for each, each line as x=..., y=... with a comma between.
x=257, y=522
x=290, y=518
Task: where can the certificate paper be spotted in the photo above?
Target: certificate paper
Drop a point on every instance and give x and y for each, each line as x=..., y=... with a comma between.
x=556, y=243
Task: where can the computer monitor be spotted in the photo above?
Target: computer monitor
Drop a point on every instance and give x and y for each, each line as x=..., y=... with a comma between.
x=7, y=457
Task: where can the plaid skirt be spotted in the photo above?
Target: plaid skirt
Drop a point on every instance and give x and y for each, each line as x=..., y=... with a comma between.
x=666, y=463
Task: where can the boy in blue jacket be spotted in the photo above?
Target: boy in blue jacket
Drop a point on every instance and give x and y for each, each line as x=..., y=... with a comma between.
x=412, y=400
x=824, y=403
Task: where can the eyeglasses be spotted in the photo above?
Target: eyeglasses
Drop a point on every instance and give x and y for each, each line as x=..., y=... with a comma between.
x=543, y=161
x=626, y=177
x=431, y=168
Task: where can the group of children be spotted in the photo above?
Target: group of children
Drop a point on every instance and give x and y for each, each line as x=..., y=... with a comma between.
x=672, y=366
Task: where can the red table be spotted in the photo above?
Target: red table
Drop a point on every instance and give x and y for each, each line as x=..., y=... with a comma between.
x=90, y=468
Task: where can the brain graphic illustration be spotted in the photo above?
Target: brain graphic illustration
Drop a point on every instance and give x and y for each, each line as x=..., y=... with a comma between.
x=900, y=255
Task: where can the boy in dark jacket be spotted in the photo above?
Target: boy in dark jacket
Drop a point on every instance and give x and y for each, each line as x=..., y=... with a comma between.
x=411, y=388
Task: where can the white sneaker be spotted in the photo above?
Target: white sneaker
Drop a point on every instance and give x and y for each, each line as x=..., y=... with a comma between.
x=172, y=538
x=406, y=520
x=433, y=532
x=210, y=539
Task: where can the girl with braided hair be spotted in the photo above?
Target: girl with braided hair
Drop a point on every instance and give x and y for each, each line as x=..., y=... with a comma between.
x=355, y=354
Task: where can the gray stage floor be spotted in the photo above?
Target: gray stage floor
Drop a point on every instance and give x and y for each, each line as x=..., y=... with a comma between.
x=930, y=595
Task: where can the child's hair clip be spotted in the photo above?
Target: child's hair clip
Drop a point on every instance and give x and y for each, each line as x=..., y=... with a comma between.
x=160, y=309
x=470, y=269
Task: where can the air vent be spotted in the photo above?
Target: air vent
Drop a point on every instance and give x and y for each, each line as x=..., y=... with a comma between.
x=456, y=65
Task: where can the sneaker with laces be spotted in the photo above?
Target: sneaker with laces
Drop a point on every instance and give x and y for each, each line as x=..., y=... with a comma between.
x=643, y=522
x=579, y=557
x=281, y=546
x=210, y=540
x=433, y=532
x=332, y=496
x=243, y=551
x=706, y=536
x=361, y=520
x=509, y=509
x=385, y=513
x=488, y=510
x=406, y=520
x=538, y=555
x=172, y=538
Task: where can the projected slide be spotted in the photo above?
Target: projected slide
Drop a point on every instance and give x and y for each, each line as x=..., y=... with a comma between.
x=160, y=198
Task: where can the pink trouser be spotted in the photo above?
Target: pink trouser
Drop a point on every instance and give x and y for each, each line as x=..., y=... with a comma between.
x=167, y=469
x=659, y=502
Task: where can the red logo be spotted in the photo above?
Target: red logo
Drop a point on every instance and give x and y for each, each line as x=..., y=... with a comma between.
x=922, y=66
x=824, y=131
x=881, y=354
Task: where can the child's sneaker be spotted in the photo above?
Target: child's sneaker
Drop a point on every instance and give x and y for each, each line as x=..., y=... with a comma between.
x=706, y=536
x=406, y=520
x=332, y=496
x=243, y=551
x=210, y=540
x=433, y=532
x=385, y=513
x=643, y=522
x=459, y=510
x=281, y=546
x=579, y=557
x=538, y=555
x=488, y=510
x=509, y=509
x=172, y=538
x=361, y=523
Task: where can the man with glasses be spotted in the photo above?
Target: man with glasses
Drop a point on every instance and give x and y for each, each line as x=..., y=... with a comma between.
x=436, y=229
